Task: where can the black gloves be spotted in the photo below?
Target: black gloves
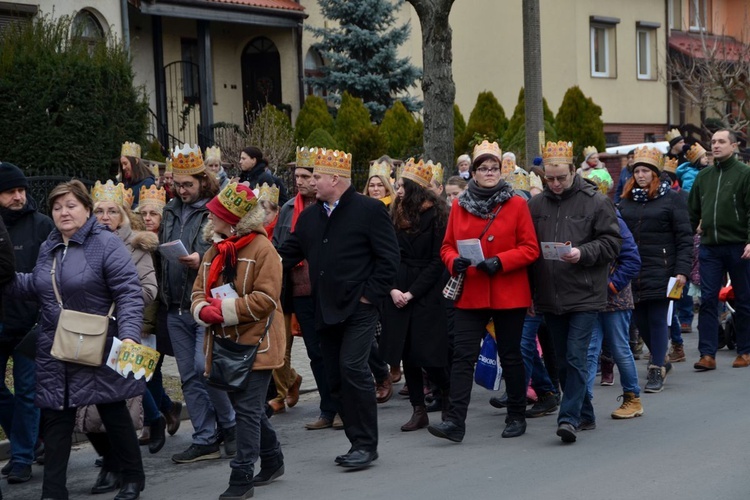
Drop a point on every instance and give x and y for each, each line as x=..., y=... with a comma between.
x=460, y=265
x=489, y=266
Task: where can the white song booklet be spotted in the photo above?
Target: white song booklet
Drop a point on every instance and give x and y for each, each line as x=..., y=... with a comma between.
x=471, y=249
x=553, y=250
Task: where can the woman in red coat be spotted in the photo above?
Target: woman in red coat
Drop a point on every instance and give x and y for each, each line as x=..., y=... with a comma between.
x=497, y=287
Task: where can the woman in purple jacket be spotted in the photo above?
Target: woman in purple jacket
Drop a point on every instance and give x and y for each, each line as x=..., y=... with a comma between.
x=93, y=270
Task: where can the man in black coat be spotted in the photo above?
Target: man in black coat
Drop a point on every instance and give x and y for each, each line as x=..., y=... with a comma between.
x=350, y=245
x=27, y=229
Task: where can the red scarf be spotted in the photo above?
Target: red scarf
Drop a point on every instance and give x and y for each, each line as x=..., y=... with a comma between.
x=299, y=206
x=226, y=259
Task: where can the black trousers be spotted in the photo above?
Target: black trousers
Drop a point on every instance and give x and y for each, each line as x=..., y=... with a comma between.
x=58, y=437
x=346, y=349
x=470, y=330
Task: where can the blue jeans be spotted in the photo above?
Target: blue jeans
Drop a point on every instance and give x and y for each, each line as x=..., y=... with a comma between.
x=715, y=261
x=613, y=331
x=534, y=368
x=684, y=307
x=651, y=318
x=675, y=330
x=156, y=388
x=571, y=333
x=205, y=404
x=18, y=415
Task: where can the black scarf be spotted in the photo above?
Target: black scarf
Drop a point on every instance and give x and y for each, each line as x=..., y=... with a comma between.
x=482, y=202
x=640, y=195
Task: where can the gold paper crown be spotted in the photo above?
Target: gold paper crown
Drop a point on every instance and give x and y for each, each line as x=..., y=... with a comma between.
x=383, y=169
x=650, y=157
x=507, y=167
x=213, y=153
x=487, y=148
x=437, y=172
x=332, y=162
x=670, y=165
x=519, y=180
x=694, y=153
x=152, y=196
x=268, y=193
x=187, y=160
x=131, y=149
x=236, y=201
x=306, y=157
x=555, y=153
x=168, y=165
x=589, y=150
x=112, y=192
x=154, y=169
x=672, y=134
x=601, y=177
x=418, y=172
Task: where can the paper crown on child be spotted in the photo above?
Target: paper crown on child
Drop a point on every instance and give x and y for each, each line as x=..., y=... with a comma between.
x=694, y=153
x=601, y=178
x=131, y=149
x=232, y=203
x=673, y=136
x=418, y=172
x=588, y=151
x=555, y=153
x=268, y=193
x=110, y=191
x=187, y=160
x=212, y=153
x=152, y=196
x=438, y=173
x=670, y=165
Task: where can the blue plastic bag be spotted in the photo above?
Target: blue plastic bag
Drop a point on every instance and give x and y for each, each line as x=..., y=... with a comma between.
x=488, y=372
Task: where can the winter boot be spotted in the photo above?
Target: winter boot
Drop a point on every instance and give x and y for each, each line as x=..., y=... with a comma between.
x=240, y=485
x=631, y=407
x=655, y=381
x=677, y=354
x=418, y=420
x=270, y=470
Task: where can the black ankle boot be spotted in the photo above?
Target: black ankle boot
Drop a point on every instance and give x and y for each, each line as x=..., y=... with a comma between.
x=269, y=470
x=240, y=485
x=106, y=481
x=130, y=491
x=158, y=435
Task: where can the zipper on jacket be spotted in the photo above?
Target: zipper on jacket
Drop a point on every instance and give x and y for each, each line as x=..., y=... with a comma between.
x=557, y=225
x=734, y=202
x=716, y=206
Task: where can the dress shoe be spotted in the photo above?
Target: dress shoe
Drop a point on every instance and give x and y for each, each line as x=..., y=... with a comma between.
x=158, y=435
x=341, y=458
x=359, y=459
x=321, y=423
x=278, y=406
x=447, y=430
x=418, y=420
x=705, y=363
x=404, y=391
x=145, y=437
x=130, y=491
x=742, y=361
x=501, y=402
x=566, y=432
x=383, y=390
x=395, y=374
x=106, y=481
x=292, y=395
x=338, y=424
x=174, y=417
x=514, y=428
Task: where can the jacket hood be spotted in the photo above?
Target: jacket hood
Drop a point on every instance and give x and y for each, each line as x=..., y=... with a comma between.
x=145, y=240
x=251, y=222
x=10, y=217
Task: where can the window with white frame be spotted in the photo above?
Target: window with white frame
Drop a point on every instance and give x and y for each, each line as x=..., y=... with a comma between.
x=645, y=53
x=698, y=11
x=675, y=14
x=603, y=47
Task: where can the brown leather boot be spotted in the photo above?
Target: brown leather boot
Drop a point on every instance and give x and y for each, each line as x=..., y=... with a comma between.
x=418, y=420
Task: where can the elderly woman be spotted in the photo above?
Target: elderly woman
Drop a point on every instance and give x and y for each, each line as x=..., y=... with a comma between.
x=414, y=319
x=658, y=218
x=463, y=167
x=93, y=269
x=243, y=258
x=496, y=287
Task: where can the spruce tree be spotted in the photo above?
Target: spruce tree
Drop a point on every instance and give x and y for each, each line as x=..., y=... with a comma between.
x=361, y=54
x=487, y=120
x=514, y=138
x=397, y=129
x=313, y=115
x=579, y=120
x=459, y=127
x=320, y=138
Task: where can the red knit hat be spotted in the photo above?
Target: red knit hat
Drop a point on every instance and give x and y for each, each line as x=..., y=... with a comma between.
x=232, y=203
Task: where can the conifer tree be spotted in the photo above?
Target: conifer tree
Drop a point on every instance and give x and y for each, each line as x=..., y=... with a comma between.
x=313, y=115
x=487, y=120
x=397, y=130
x=352, y=120
x=459, y=127
x=514, y=138
x=361, y=51
x=320, y=138
x=579, y=120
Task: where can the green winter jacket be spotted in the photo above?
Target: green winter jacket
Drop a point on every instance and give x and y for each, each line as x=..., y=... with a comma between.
x=720, y=202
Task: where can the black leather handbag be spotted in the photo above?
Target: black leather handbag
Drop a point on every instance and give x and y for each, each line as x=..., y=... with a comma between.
x=232, y=363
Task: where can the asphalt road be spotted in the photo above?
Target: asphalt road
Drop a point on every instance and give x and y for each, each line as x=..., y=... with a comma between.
x=693, y=442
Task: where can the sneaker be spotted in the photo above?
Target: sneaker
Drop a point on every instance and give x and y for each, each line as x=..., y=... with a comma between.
x=7, y=468
x=545, y=405
x=588, y=425
x=198, y=452
x=19, y=474
x=677, y=353
x=631, y=407
x=566, y=432
x=655, y=381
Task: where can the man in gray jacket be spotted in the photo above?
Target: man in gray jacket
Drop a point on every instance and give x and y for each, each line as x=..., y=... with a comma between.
x=570, y=285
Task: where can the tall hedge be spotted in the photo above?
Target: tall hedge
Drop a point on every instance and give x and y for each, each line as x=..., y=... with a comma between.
x=397, y=128
x=320, y=138
x=67, y=106
x=580, y=120
x=352, y=120
x=313, y=115
x=487, y=119
x=514, y=138
x=459, y=127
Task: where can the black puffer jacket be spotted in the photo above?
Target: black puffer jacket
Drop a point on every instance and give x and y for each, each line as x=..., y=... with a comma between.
x=661, y=229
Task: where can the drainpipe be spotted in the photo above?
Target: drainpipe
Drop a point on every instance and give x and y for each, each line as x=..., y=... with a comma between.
x=125, y=25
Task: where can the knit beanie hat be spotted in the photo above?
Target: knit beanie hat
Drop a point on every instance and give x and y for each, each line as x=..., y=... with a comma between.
x=11, y=177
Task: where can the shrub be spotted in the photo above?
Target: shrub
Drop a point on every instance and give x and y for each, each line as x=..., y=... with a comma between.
x=313, y=115
x=416, y=142
x=320, y=138
x=367, y=145
x=487, y=119
x=459, y=127
x=514, y=138
x=580, y=120
x=397, y=129
x=352, y=120
x=270, y=130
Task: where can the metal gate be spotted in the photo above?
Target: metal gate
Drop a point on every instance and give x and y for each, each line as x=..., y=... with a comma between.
x=183, y=101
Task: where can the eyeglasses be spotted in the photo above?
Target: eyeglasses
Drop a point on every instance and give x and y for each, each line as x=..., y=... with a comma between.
x=110, y=212
x=558, y=178
x=488, y=170
x=183, y=185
